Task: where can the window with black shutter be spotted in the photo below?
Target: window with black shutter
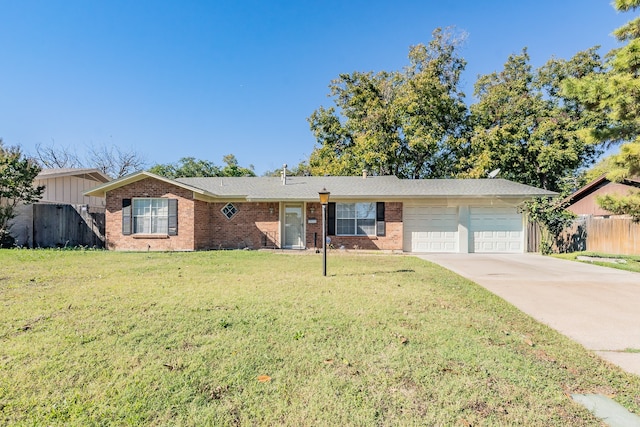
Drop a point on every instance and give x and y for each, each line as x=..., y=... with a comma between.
x=149, y=215
x=380, y=222
x=331, y=219
x=173, y=217
x=126, y=216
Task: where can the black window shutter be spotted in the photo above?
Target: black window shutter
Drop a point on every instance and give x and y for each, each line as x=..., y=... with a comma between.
x=380, y=222
x=380, y=211
x=331, y=219
x=126, y=216
x=173, y=217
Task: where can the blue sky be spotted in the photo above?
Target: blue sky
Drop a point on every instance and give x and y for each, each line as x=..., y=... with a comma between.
x=172, y=79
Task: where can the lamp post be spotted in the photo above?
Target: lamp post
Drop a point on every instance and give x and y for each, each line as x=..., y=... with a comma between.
x=324, y=200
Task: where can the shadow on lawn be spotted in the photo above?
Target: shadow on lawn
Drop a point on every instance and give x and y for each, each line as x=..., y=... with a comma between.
x=404, y=270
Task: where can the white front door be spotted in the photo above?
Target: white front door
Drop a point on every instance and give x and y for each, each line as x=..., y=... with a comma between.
x=293, y=227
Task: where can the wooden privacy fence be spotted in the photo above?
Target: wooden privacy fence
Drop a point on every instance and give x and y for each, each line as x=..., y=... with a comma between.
x=607, y=235
x=67, y=226
x=613, y=236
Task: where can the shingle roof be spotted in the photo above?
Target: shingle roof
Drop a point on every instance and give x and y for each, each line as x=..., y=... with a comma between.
x=306, y=188
x=473, y=187
x=90, y=173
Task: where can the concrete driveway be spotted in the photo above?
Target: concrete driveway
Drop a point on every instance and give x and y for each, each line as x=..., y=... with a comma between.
x=598, y=307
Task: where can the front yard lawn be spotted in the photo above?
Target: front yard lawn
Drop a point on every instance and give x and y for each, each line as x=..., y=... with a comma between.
x=236, y=338
x=628, y=262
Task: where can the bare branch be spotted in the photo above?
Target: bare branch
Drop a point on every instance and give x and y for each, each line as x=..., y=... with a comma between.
x=114, y=161
x=51, y=156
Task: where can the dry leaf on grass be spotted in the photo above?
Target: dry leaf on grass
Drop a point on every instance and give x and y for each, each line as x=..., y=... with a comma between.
x=264, y=378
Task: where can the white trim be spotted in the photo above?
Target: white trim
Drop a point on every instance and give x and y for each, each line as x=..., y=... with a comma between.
x=283, y=227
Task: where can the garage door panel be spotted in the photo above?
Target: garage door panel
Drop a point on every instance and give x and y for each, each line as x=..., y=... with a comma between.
x=431, y=229
x=496, y=229
x=433, y=246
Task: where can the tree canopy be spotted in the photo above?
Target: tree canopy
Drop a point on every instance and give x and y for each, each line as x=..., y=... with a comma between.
x=616, y=94
x=17, y=174
x=192, y=167
x=232, y=168
x=623, y=165
x=414, y=123
x=526, y=127
x=301, y=169
x=403, y=123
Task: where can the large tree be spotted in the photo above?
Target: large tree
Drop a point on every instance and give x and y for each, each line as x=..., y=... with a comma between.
x=17, y=174
x=232, y=167
x=526, y=127
x=403, y=123
x=616, y=93
x=186, y=167
x=191, y=167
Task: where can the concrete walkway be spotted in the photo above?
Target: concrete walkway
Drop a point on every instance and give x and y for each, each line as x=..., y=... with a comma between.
x=599, y=307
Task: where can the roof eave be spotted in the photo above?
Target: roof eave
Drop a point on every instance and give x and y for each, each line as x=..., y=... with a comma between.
x=586, y=189
x=396, y=197
x=101, y=190
x=94, y=174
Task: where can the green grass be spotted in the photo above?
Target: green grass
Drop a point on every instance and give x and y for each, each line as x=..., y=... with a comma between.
x=105, y=338
x=632, y=261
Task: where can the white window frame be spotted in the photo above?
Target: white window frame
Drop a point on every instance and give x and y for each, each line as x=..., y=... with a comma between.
x=359, y=213
x=150, y=215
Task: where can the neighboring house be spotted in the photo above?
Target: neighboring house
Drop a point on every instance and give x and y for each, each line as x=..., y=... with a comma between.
x=63, y=212
x=149, y=212
x=69, y=185
x=583, y=202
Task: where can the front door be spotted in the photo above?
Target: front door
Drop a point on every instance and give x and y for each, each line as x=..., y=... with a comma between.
x=293, y=227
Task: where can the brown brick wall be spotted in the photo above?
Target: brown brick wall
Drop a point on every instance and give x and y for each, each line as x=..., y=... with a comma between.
x=150, y=188
x=314, y=228
x=201, y=225
x=253, y=226
x=392, y=240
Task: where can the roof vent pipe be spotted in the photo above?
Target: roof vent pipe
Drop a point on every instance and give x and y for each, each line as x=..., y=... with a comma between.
x=364, y=173
x=284, y=174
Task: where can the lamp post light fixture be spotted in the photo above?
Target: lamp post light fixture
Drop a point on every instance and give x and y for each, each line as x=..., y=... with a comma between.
x=324, y=200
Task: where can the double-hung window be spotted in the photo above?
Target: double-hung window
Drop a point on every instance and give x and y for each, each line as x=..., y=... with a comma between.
x=150, y=216
x=356, y=219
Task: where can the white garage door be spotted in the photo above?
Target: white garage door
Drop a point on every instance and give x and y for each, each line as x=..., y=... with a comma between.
x=430, y=229
x=496, y=230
